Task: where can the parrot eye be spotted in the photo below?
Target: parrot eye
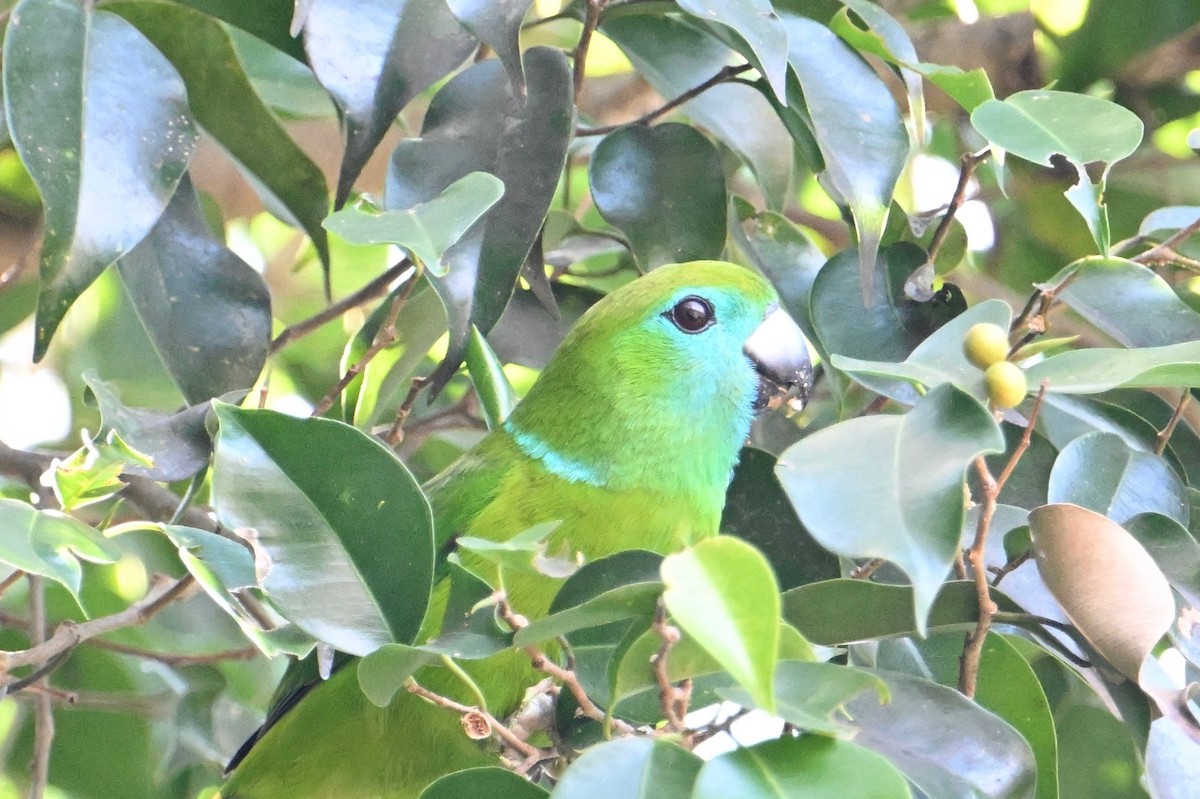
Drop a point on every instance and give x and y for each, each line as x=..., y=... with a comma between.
x=692, y=314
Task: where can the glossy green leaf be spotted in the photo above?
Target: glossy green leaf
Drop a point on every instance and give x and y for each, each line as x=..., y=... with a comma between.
x=634, y=600
x=178, y=444
x=1038, y=124
x=783, y=252
x=207, y=312
x=630, y=768
x=1101, y=472
x=226, y=104
x=50, y=544
x=139, y=139
x=947, y=745
x=382, y=673
x=1173, y=548
x=885, y=37
x=425, y=230
x=723, y=593
x=1098, y=369
x=1098, y=758
x=1172, y=768
x=496, y=395
x=1008, y=687
x=497, y=23
x=757, y=510
x=757, y=32
x=343, y=538
x=936, y=360
x=891, y=326
x=663, y=187
x=493, y=782
x=808, y=695
x=911, y=467
x=1128, y=302
x=674, y=57
x=811, y=767
x=857, y=127
x=843, y=611
x=475, y=124
x=374, y=57
x=268, y=20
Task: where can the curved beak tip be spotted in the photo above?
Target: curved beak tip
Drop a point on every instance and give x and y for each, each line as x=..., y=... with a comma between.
x=779, y=352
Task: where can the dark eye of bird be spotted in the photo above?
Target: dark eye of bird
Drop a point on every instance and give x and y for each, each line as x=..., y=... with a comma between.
x=692, y=314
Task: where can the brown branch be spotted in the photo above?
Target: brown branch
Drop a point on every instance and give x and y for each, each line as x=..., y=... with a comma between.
x=674, y=700
x=970, y=163
x=591, y=20
x=968, y=670
x=1010, y=567
x=505, y=734
x=699, y=736
x=458, y=415
x=1164, y=435
x=1164, y=251
x=863, y=571
x=376, y=288
x=544, y=664
x=177, y=661
x=384, y=338
x=723, y=76
x=395, y=435
x=11, y=580
x=70, y=634
x=43, y=735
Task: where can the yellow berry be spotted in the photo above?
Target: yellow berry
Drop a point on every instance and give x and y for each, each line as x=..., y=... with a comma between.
x=985, y=344
x=1006, y=384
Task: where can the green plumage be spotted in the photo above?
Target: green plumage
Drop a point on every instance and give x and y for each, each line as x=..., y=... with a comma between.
x=628, y=439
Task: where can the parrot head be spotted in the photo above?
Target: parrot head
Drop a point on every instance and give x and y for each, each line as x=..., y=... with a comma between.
x=658, y=382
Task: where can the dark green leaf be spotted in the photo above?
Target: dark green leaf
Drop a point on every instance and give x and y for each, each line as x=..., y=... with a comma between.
x=722, y=592
x=50, y=544
x=493, y=782
x=207, y=312
x=374, y=57
x=1128, y=302
x=383, y=672
x=496, y=395
x=57, y=55
x=635, y=600
x=269, y=20
x=475, y=124
x=757, y=33
x=808, y=695
x=497, y=23
x=663, y=187
x=674, y=57
x=911, y=467
x=843, y=611
x=227, y=106
x=947, y=745
x=757, y=510
x=1098, y=758
x=1101, y=472
x=811, y=767
x=630, y=768
x=857, y=127
x=427, y=229
x=886, y=38
x=1174, y=550
x=341, y=529
x=177, y=443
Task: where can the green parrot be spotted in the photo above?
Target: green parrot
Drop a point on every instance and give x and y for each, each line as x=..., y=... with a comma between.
x=628, y=439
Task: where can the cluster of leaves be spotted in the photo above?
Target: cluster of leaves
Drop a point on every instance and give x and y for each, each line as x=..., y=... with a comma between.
x=1049, y=661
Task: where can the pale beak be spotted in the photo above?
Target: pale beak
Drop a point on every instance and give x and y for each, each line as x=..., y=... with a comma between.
x=779, y=353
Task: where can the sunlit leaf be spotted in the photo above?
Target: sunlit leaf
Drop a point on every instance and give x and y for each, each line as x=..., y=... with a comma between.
x=1101, y=472
x=50, y=544
x=496, y=782
x=630, y=768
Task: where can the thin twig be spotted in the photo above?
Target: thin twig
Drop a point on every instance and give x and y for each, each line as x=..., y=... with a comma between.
x=1008, y=568
x=177, y=661
x=723, y=76
x=968, y=671
x=970, y=162
x=43, y=735
x=1163, y=251
x=395, y=435
x=376, y=288
x=545, y=665
x=1164, y=436
x=505, y=734
x=70, y=634
x=11, y=580
x=673, y=702
x=863, y=571
x=699, y=736
x=591, y=20
x=384, y=338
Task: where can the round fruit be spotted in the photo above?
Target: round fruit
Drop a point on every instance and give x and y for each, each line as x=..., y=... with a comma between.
x=1006, y=384
x=985, y=344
